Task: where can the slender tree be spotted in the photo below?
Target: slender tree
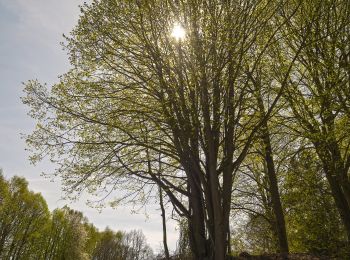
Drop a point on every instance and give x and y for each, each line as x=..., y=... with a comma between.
x=317, y=90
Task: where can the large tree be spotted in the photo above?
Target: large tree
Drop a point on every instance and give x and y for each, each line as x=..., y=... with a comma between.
x=135, y=92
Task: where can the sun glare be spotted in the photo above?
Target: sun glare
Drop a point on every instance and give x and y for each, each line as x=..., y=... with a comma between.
x=178, y=32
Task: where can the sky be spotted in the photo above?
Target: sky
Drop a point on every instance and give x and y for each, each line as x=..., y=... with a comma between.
x=30, y=36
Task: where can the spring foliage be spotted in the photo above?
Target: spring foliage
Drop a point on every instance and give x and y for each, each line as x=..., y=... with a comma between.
x=29, y=231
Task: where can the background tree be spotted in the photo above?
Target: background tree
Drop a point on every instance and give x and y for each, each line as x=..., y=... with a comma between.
x=314, y=224
x=136, y=245
x=317, y=90
x=29, y=231
x=110, y=246
x=93, y=238
x=22, y=215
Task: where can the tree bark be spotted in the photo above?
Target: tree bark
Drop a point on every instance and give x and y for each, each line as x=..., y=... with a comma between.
x=165, y=243
x=275, y=196
x=329, y=152
x=196, y=222
x=340, y=201
x=273, y=184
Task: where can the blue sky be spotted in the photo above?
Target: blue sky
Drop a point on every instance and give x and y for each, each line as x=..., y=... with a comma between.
x=30, y=33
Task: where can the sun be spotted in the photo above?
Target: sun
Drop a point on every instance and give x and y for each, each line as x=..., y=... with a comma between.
x=178, y=32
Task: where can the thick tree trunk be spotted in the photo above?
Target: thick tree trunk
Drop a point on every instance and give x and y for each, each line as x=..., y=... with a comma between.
x=336, y=189
x=217, y=199
x=220, y=240
x=337, y=163
x=197, y=238
x=219, y=223
x=333, y=166
x=340, y=201
x=196, y=222
x=215, y=247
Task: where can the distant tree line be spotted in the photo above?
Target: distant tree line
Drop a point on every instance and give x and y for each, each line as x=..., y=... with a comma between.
x=28, y=230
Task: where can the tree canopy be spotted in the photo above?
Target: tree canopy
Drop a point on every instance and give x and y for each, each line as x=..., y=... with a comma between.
x=140, y=107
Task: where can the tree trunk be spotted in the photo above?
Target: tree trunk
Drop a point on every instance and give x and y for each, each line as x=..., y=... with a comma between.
x=346, y=188
x=165, y=243
x=340, y=201
x=220, y=240
x=196, y=222
x=336, y=189
x=273, y=184
x=333, y=166
x=274, y=192
x=337, y=162
x=219, y=223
